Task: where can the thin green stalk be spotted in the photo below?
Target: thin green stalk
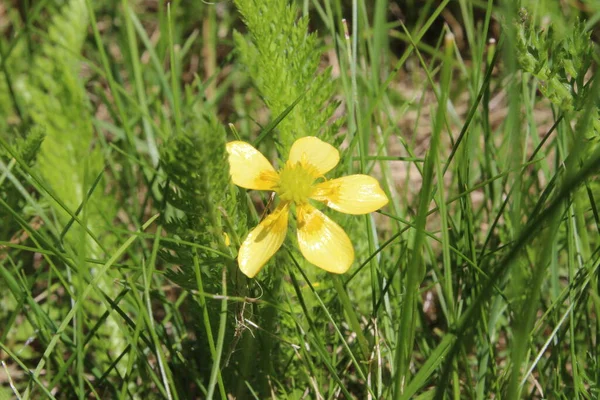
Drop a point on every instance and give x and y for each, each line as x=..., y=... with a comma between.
x=207, y=324
x=139, y=85
x=99, y=275
x=351, y=314
x=174, y=73
x=214, y=373
x=316, y=340
x=526, y=318
x=109, y=76
x=145, y=319
x=24, y=367
x=147, y=274
x=415, y=268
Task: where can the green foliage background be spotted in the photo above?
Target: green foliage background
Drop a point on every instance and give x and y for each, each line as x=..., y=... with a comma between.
x=119, y=226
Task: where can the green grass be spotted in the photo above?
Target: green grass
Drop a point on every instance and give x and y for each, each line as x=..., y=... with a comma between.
x=119, y=226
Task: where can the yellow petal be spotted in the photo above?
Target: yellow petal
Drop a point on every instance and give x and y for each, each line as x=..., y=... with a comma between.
x=353, y=194
x=249, y=168
x=263, y=241
x=312, y=150
x=323, y=242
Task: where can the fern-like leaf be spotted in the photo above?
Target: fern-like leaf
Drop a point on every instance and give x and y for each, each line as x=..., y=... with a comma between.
x=55, y=99
x=283, y=60
x=202, y=205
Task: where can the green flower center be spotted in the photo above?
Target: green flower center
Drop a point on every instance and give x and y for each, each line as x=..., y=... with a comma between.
x=296, y=182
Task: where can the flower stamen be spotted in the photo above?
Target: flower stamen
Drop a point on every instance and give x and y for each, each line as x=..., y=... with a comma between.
x=296, y=182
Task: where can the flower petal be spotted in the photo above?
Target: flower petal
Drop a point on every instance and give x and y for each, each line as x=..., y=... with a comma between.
x=323, y=242
x=312, y=150
x=353, y=194
x=263, y=241
x=249, y=168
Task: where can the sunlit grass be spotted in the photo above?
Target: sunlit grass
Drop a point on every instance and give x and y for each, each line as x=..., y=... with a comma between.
x=119, y=235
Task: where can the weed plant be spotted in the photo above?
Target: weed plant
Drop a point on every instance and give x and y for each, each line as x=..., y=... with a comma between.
x=120, y=225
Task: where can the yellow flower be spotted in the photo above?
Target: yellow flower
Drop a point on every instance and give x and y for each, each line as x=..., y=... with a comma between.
x=322, y=242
